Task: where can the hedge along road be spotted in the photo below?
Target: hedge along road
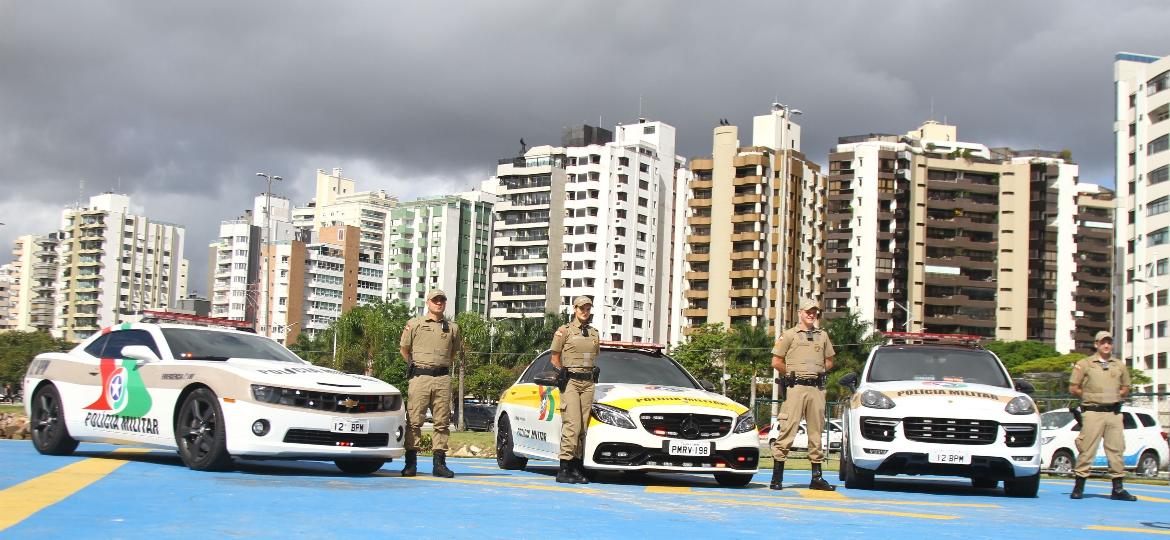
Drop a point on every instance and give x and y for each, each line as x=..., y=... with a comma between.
x=113, y=492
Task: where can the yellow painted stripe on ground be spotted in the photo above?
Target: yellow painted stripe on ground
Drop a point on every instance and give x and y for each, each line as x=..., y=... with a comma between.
x=668, y=489
x=837, y=509
x=821, y=495
x=791, y=494
x=19, y=502
x=1151, y=499
x=1126, y=529
x=495, y=483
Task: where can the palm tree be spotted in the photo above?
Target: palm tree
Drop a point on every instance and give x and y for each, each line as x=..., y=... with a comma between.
x=852, y=339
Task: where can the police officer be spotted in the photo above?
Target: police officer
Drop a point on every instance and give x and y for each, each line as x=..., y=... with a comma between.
x=1101, y=382
x=803, y=354
x=429, y=345
x=574, y=351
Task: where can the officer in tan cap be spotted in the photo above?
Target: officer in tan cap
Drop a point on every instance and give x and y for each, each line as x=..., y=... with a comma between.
x=574, y=351
x=803, y=354
x=1101, y=382
x=429, y=345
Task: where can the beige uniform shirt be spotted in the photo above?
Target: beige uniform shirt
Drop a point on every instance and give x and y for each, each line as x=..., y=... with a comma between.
x=802, y=356
x=1101, y=383
x=430, y=346
x=577, y=352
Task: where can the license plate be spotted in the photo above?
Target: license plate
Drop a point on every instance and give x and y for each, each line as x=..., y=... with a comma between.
x=950, y=458
x=685, y=448
x=350, y=425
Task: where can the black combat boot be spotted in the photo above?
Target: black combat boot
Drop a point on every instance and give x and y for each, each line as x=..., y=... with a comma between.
x=1078, y=491
x=819, y=482
x=439, y=465
x=411, y=466
x=1119, y=492
x=565, y=474
x=777, y=475
x=579, y=471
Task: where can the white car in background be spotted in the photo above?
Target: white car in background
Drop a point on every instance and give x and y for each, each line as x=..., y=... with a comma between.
x=649, y=415
x=212, y=394
x=830, y=437
x=1146, y=450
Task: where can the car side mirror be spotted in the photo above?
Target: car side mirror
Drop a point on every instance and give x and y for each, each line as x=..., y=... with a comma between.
x=707, y=385
x=547, y=378
x=848, y=381
x=1025, y=386
x=141, y=353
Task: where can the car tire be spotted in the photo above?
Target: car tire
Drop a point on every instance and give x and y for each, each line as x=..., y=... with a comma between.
x=1027, y=486
x=727, y=479
x=1062, y=462
x=47, y=424
x=200, y=433
x=853, y=476
x=984, y=483
x=359, y=466
x=1148, y=464
x=505, y=456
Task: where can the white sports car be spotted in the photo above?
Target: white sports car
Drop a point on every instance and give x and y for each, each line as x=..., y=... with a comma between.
x=649, y=414
x=212, y=394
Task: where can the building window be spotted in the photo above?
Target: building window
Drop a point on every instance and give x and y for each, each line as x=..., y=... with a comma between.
x=642, y=219
x=1158, y=206
x=642, y=201
x=1161, y=144
x=639, y=288
x=1163, y=267
x=1158, y=237
x=1159, y=175
x=644, y=167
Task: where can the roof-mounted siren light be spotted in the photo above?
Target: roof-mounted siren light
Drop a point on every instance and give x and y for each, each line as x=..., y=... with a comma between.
x=904, y=338
x=633, y=345
x=195, y=320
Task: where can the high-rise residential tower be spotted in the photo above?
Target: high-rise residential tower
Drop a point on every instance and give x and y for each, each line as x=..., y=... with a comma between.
x=35, y=266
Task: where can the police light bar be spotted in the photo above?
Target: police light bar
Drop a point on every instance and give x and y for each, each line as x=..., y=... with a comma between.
x=923, y=337
x=183, y=318
x=633, y=345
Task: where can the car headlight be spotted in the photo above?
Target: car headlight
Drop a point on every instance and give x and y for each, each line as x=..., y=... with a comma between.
x=391, y=402
x=876, y=400
x=1020, y=405
x=613, y=416
x=266, y=394
x=745, y=423
x=1046, y=440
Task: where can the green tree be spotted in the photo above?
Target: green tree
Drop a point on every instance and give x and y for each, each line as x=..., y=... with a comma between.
x=17, y=350
x=749, y=355
x=368, y=335
x=1050, y=375
x=488, y=381
x=518, y=341
x=701, y=353
x=1014, y=353
x=853, y=339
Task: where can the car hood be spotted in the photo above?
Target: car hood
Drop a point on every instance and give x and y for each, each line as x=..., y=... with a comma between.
x=305, y=376
x=635, y=396
x=927, y=394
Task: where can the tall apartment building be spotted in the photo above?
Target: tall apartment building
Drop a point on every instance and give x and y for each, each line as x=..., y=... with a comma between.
x=1142, y=89
x=338, y=203
x=314, y=282
x=928, y=233
x=753, y=238
x=8, y=285
x=591, y=218
x=235, y=259
x=35, y=267
x=1094, y=274
x=112, y=262
x=442, y=242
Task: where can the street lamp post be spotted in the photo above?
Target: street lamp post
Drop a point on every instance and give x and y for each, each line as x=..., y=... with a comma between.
x=268, y=251
x=786, y=113
x=1154, y=366
x=904, y=308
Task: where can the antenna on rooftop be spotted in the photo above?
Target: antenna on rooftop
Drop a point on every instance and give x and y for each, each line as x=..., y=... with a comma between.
x=80, y=192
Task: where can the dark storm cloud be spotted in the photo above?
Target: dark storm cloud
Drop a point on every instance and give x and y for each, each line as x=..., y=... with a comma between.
x=180, y=104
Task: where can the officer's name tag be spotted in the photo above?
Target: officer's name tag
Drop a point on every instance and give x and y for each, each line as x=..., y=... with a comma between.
x=950, y=457
x=687, y=448
x=351, y=425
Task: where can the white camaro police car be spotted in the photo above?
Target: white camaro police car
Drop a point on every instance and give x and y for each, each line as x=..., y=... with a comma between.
x=940, y=409
x=649, y=414
x=212, y=394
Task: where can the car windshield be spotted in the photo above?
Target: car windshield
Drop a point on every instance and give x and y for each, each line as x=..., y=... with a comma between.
x=641, y=367
x=196, y=344
x=937, y=364
x=1055, y=419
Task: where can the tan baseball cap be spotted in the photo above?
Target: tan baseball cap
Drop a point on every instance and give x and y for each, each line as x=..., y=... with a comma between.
x=431, y=294
x=581, y=301
x=1104, y=334
x=808, y=304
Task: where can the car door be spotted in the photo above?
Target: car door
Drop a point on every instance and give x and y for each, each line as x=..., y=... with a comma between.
x=124, y=392
x=79, y=385
x=535, y=419
x=1133, y=440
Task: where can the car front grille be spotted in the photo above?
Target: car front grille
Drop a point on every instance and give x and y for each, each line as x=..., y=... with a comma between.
x=686, y=425
x=878, y=429
x=336, y=403
x=950, y=430
x=328, y=438
x=1019, y=435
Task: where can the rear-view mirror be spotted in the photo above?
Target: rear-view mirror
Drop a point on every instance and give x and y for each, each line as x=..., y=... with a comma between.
x=707, y=385
x=547, y=378
x=849, y=381
x=142, y=353
x=1025, y=386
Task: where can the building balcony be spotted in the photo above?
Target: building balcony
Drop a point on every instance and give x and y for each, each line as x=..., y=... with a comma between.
x=749, y=254
x=745, y=312
x=696, y=293
x=702, y=164
x=699, y=184
x=698, y=239
x=697, y=275
x=751, y=216
x=699, y=220
x=745, y=293
x=745, y=236
x=699, y=203
x=694, y=312
x=749, y=273
x=698, y=257
x=748, y=198
x=747, y=180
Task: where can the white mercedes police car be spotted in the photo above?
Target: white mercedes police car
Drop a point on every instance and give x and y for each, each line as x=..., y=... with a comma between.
x=649, y=414
x=931, y=404
x=212, y=394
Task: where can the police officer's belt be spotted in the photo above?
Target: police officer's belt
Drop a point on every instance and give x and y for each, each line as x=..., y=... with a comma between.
x=1099, y=408
x=806, y=382
x=581, y=375
x=433, y=372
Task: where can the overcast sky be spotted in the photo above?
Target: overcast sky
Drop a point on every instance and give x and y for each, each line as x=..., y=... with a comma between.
x=179, y=104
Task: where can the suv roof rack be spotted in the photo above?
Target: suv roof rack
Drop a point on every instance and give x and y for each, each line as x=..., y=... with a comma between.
x=633, y=345
x=923, y=338
x=155, y=316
